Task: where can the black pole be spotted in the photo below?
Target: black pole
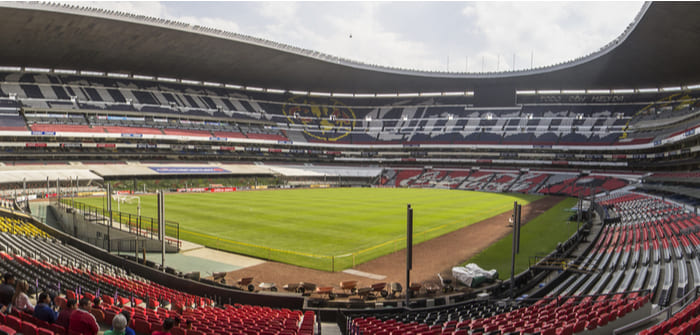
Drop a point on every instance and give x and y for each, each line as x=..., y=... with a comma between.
x=512, y=254
x=517, y=229
x=161, y=226
x=590, y=205
x=109, y=210
x=580, y=205
x=409, y=250
x=24, y=193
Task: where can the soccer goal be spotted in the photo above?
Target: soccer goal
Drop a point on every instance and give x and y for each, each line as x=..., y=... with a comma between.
x=127, y=199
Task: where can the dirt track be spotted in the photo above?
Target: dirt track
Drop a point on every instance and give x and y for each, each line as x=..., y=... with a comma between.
x=430, y=257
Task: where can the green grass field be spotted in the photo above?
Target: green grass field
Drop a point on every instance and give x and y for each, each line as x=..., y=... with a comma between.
x=538, y=237
x=328, y=229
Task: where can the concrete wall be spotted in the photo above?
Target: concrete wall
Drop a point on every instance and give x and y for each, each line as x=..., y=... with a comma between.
x=73, y=223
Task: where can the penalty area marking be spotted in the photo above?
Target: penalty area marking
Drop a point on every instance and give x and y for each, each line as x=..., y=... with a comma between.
x=364, y=274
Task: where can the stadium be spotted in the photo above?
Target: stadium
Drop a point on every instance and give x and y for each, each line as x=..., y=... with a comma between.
x=169, y=172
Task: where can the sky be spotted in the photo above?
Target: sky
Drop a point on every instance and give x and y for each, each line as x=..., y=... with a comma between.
x=430, y=36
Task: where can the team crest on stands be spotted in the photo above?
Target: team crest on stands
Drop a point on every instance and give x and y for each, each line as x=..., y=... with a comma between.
x=329, y=121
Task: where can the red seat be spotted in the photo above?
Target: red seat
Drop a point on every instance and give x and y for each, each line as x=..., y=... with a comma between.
x=109, y=316
x=568, y=330
x=122, y=301
x=678, y=330
x=156, y=326
x=592, y=324
x=14, y=322
x=603, y=319
x=99, y=315
x=142, y=326
x=696, y=323
x=8, y=330
x=58, y=330
x=107, y=299
x=29, y=328
x=44, y=331
x=26, y=316
x=60, y=302
x=42, y=324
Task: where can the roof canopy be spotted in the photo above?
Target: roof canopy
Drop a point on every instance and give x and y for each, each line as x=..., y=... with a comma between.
x=659, y=49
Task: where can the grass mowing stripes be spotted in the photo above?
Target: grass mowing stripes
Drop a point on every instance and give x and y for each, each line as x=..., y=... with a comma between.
x=538, y=237
x=328, y=229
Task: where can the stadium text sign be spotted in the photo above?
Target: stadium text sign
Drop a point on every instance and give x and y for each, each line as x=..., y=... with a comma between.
x=222, y=189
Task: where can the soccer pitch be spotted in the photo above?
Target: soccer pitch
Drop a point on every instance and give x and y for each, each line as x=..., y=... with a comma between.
x=327, y=229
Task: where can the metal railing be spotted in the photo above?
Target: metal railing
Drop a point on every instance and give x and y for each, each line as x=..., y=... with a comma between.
x=141, y=226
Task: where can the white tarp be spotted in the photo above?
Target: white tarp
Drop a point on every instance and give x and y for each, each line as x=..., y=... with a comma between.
x=472, y=275
x=33, y=175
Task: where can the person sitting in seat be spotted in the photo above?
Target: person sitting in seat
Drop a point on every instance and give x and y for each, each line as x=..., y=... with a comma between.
x=7, y=290
x=168, y=324
x=127, y=315
x=20, y=301
x=52, y=292
x=82, y=321
x=63, y=319
x=96, y=304
x=43, y=310
x=118, y=325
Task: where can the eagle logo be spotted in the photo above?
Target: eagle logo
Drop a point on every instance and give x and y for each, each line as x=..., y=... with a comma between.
x=328, y=122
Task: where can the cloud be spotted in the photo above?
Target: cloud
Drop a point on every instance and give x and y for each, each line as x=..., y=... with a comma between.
x=554, y=32
x=347, y=30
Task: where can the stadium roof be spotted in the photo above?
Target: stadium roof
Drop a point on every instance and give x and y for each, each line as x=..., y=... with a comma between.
x=658, y=49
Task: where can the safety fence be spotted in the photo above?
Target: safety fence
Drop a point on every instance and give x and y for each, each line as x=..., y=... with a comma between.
x=141, y=226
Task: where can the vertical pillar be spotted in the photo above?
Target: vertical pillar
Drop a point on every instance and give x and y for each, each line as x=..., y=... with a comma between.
x=161, y=226
x=409, y=251
x=517, y=229
x=512, y=254
x=25, y=194
x=109, y=211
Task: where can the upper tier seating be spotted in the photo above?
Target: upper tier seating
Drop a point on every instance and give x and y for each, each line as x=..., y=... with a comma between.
x=433, y=120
